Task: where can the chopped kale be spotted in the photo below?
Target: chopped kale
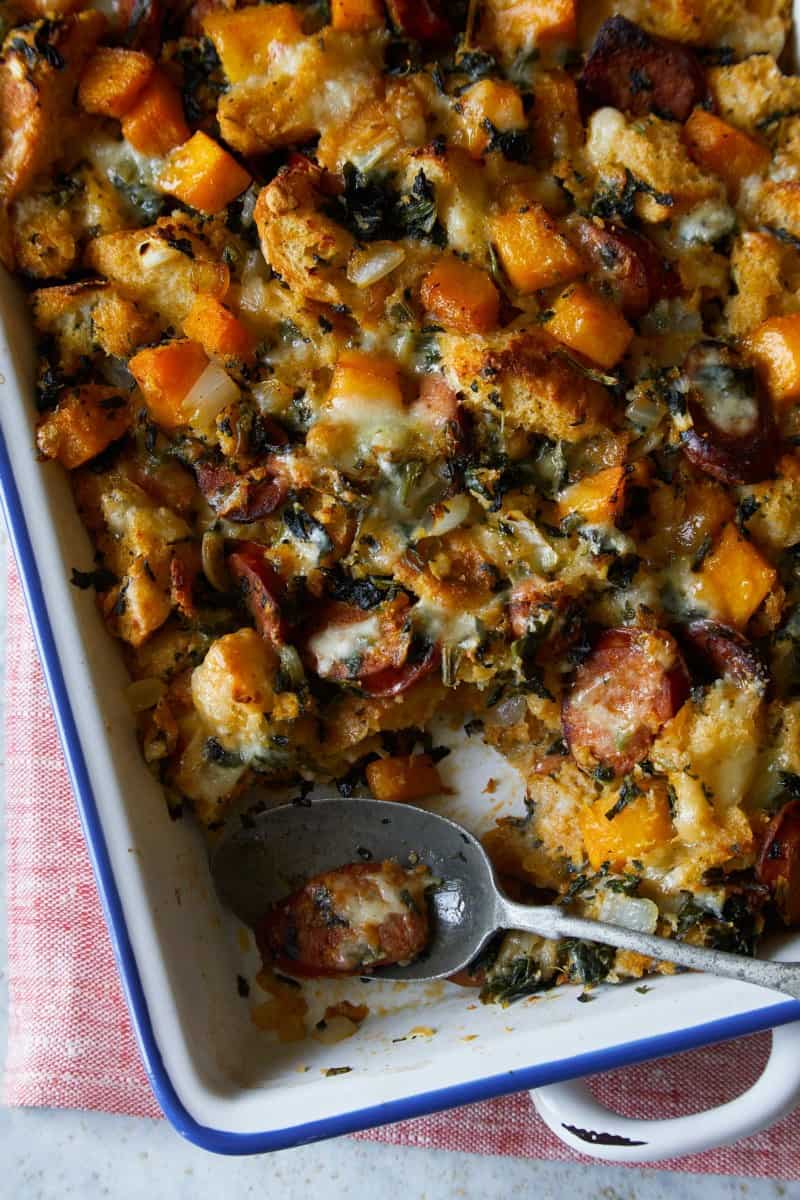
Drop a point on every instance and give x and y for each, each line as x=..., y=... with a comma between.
x=363, y=593
x=214, y=752
x=513, y=981
x=415, y=214
x=305, y=528
x=513, y=144
x=587, y=962
x=100, y=579
x=628, y=792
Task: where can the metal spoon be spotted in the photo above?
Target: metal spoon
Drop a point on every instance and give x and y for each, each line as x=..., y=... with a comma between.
x=275, y=851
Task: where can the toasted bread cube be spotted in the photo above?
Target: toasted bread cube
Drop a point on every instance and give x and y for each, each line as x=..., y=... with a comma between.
x=591, y=325
x=113, y=79
x=775, y=349
x=533, y=252
x=723, y=149
x=738, y=575
x=203, y=175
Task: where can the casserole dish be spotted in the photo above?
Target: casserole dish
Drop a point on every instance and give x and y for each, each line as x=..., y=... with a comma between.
x=181, y=955
x=220, y=1083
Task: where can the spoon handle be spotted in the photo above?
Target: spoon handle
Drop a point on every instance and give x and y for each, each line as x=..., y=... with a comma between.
x=550, y=922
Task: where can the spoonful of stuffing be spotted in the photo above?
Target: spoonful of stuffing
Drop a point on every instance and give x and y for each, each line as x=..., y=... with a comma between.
x=350, y=886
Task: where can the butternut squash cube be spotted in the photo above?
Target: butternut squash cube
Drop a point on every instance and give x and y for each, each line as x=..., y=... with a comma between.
x=737, y=576
x=243, y=38
x=357, y=16
x=218, y=330
x=155, y=124
x=598, y=498
x=638, y=829
x=775, y=349
x=511, y=26
x=405, y=778
x=461, y=297
x=85, y=423
x=203, y=175
x=591, y=325
x=533, y=252
x=490, y=103
x=166, y=374
x=112, y=80
x=360, y=380
x=722, y=149
x=556, y=121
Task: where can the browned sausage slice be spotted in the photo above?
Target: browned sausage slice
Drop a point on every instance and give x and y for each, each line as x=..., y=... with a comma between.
x=732, y=438
x=349, y=920
x=727, y=652
x=419, y=19
x=261, y=588
x=345, y=642
x=779, y=862
x=240, y=498
x=391, y=681
x=627, y=265
x=639, y=73
x=633, y=681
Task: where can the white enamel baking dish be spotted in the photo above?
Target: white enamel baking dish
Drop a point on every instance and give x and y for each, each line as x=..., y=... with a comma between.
x=226, y=1085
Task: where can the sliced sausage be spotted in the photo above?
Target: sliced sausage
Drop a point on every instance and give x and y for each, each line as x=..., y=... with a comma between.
x=349, y=920
x=240, y=498
x=421, y=20
x=261, y=588
x=733, y=437
x=633, y=681
x=345, y=642
x=727, y=652
x=142, y=21
x=626, y=265
x=438, y=409
x=391, y=681
x=779, y=861
x=640, y=73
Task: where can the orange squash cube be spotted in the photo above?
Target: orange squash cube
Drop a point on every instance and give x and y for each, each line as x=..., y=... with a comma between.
x=112, y=80
x=599, y=498
x=357, y=16
x=556, y=120
x=490, y=102
x=155, y=124
x=737, y=577
x=203, y=175
x=165, y=375
x=461, y=297
x=591, y=325
x=243, y=38
x=510, y=26
x=360, y=379
x=642, y=826
x=85, y=423
x=218, y=330
x=405, y=778
x=533, y=252
x=774, y=347
x=725, y=151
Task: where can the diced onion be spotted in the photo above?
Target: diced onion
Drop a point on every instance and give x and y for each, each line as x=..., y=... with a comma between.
x=508, y=712
x=144, y=694
x=213, y=556
x=373, y=263
x=448, y=515
x=208, y=395
x=631, y=912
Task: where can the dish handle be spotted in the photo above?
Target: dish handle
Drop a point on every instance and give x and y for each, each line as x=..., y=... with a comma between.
x=573, y=1114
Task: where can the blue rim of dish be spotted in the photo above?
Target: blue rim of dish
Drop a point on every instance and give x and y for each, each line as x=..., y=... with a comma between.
x=221, y=1141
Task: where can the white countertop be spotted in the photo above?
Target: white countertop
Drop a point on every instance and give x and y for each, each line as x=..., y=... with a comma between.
x=46, y=1154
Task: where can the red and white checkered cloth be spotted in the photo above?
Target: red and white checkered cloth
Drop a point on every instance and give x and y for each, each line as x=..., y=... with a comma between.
x=70, y=1039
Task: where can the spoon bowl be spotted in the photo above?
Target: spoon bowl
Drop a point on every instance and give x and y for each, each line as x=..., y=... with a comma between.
x=272, y=853
x=276, y=851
